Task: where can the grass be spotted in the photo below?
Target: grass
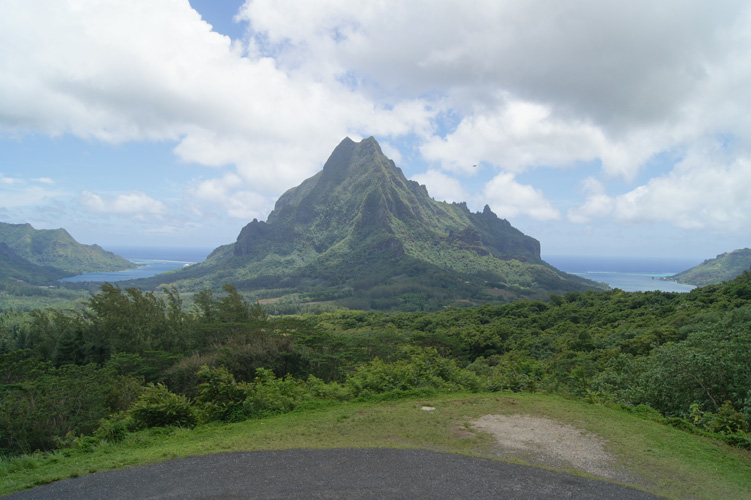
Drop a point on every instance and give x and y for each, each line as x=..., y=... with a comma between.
x=666, y=461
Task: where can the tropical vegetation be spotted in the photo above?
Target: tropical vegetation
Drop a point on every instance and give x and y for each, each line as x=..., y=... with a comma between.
x=360, y=235
x=724, y=267
x=131, y=359
x=46, y=249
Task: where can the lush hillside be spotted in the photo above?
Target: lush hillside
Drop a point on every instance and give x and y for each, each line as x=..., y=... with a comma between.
x=724, y=267
x=15, y=268
x=56, y=248
x=681, y=356
x=360, y=235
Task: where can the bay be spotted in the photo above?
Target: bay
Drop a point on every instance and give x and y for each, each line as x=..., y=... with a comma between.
x=630, y=274
x=151, y=261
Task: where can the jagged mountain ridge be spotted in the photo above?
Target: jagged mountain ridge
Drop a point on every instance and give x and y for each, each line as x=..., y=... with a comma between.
x=361, y=193
x=358, y=227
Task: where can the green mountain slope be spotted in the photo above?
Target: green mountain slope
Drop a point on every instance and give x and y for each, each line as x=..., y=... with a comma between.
x=56, y=248
x=13, y=267
x=724, y=267
x=360, y=234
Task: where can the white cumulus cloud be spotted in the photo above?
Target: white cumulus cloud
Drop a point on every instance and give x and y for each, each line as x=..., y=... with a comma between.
x=519, y=86
x=598, y=203
x=508, y=198
x=18, y=193
x=140, y=70
x=135, y=204
x=698, y=194
x=441, y=186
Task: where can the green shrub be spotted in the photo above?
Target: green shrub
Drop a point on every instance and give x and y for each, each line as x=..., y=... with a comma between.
x=270, y=395
x=158, y=407
x=726, y=420
x=423, y=369
x=35, y=414
x=114, y=428
x=509, y=372
x=319, y=389
x=220, y=396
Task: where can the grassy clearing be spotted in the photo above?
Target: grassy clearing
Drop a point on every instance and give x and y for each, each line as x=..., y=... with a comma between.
x=668, y=462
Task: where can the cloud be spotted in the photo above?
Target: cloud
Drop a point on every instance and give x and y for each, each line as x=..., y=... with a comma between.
x=441, y=186
x=17, y=193
x=518, y=86
x=698, y=194
x=619, y=64
x=705, y=190
x=392, y=152
x=227, y=193
x=598, y=203
x=508, y=198
x=536, y=83
x=514, y=135
x=135, y=204
x=8, y=181
x=139, y=70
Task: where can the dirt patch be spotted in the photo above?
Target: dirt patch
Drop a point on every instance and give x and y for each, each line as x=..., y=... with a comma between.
x=461, y=432
x=549, y=442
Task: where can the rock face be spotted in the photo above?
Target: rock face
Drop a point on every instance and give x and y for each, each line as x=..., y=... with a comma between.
x=362, y=199
x=360, y=228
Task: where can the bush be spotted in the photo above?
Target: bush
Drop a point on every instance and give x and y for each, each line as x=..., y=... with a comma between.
x=319, y=389
x=424, y=369
x=220, y=395
x=34, y=415
x=222, y=398
x=270, y=395
x=114, y=428
x=724, y=421
x=709, y=367
x=158, y=407
x=509, y=372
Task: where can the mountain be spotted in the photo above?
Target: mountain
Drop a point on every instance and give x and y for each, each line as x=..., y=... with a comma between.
x=361, y=235
x=16, y=268
x=724, y=267
x=57, y=249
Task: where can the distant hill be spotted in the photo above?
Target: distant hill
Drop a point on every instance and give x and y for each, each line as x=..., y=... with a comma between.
x=724, y=267
x=55, y=248
x=16, y=268
x=360, y=235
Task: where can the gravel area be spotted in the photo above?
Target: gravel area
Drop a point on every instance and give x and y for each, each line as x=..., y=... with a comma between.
x=548, y=442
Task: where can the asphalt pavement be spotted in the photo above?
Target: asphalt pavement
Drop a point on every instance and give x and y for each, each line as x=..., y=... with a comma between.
x=331, y=474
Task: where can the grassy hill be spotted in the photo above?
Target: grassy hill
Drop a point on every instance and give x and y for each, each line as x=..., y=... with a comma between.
x=654, y=457
x=724, y=267
x=56, y=248
x=15, y=268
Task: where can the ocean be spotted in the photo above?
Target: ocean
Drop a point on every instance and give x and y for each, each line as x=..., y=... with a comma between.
x=630, y=274
x=151, y=261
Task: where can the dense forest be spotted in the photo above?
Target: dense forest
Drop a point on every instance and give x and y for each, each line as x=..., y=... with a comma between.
x=129, y=359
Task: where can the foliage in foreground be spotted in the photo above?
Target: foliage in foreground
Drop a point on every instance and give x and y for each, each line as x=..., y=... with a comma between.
x=147, y=362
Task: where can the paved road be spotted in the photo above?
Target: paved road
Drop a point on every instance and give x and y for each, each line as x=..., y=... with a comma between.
x=331, y=474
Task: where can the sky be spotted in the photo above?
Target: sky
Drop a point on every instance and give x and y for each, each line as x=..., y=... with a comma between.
x=598, y=127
